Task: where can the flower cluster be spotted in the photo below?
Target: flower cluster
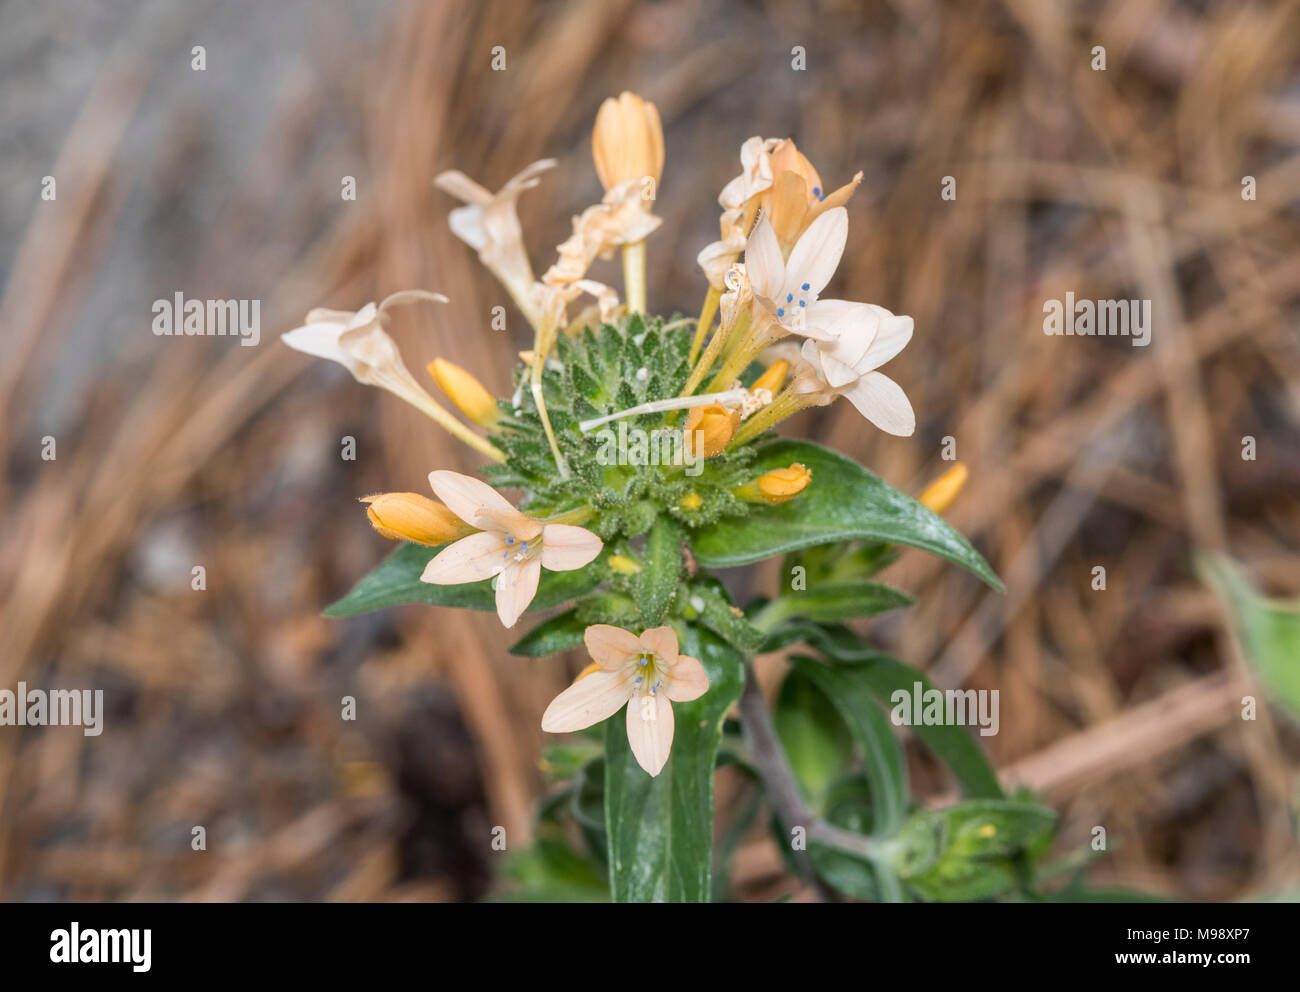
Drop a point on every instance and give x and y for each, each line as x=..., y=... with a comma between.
x=782, y=237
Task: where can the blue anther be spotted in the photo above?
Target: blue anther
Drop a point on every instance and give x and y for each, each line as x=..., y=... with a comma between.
x=806, y=286
x=817, y=192
x=780, y=311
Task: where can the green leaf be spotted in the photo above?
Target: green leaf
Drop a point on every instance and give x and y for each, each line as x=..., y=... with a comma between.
x=886, y=770
x=560, y=633
x=844, y=502
x=1268, y=630
x=830, y=601
x=661, y=829
x=815, y=739
x=661, y=566
x=709, y=604
x=834, y=640
x=953, y=744
x=396, y=580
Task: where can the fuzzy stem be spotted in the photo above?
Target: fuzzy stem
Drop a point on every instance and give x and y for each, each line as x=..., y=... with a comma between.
x=787, y=402
x=784, y=793
x=634, y=276
x=427, y=405
x=706, y=318
x=577, y=516
x=539, y=362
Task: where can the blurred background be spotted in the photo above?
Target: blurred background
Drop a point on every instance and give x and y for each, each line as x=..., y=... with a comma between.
x=1122, y=707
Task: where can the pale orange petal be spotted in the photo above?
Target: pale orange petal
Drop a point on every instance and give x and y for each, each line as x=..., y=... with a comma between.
x=470, y=559
x=589, y=700
x=650, y=730
x=565, y=547
x=465, y=495
x=661, y=641
x=609, y=646
x=686, y=680
x=516, y=587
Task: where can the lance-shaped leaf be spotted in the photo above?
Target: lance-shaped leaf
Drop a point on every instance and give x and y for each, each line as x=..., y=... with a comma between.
x=661, y=829
x=396, y=580
x=844, y=502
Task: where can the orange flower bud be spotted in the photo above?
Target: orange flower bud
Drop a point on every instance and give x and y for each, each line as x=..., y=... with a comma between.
x=466, y=392
x=774, y=378
x=627, y=141
x=777, y=486
x=709, y=429
x=412, y=517
x=940, y=493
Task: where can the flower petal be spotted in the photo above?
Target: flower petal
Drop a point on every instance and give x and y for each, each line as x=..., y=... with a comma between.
x=763, y=262
x=589, y=700
x=661, y=641
x=465, y=496
x=516, y=587
x=609, y=646
x=471, y=559
x=686, y=680
x=650, y=730
x=319, y=339
x=817, y=253
x=565, y=547
x=891, y=338
x=882, y=401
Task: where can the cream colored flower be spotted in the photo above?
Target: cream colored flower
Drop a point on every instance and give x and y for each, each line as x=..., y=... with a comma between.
x=489, y=223
x=755, y=173
x=796, y=197
x=621, y=218
x=512, y=547
x=359, y=343
x=644, y=672
x=778, y=183
x=846, y=366
x=788, y=290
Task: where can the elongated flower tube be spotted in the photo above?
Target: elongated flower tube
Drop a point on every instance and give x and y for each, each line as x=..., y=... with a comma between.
x=359, y=343
x=645, y=673
x=489, y=223
x=511, y=547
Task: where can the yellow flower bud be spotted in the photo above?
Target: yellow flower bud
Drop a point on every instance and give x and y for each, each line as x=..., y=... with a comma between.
x=627, y=141
x=709, y=429
x=412, y=517
x=466, y=392
x=691, y=502
x=623, y=565
x=774, y=378
x=940, y=493
x=777, y=486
